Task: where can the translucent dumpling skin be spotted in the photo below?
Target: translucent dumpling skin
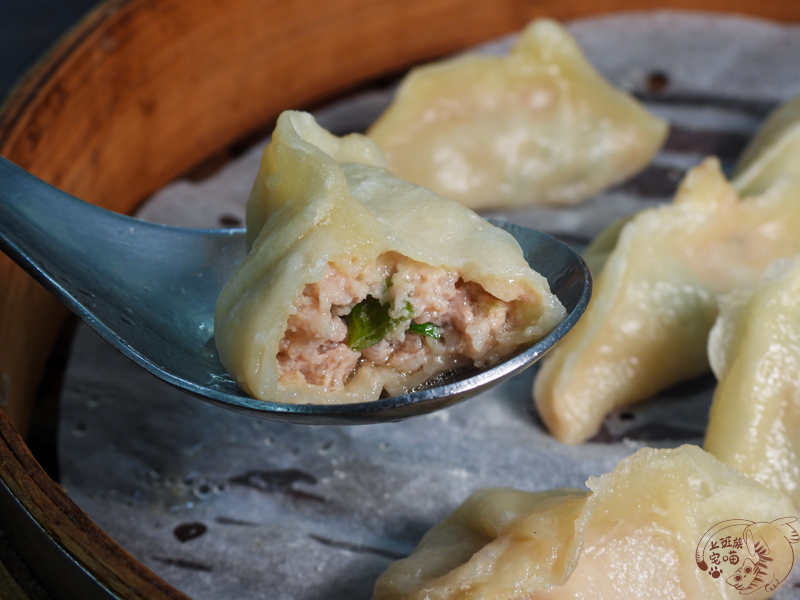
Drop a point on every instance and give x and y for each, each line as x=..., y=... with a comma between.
x=655, y=300
x=537, y=126
x=359, y=283
x=637, y=535
x=754, y=349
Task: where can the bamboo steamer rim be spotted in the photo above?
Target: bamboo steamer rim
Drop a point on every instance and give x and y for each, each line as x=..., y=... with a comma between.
x=141, y=91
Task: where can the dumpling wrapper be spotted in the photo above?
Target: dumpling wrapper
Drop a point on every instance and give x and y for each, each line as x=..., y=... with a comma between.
x=655, y=300
x=773, y=153
x=539, y=126
x=319, y=202
x=633, y=537
x=754, y=349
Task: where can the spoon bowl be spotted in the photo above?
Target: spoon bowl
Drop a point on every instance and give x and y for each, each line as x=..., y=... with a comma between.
x=150, y=290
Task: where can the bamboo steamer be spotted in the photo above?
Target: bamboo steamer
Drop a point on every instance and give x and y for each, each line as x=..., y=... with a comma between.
x=140, y=92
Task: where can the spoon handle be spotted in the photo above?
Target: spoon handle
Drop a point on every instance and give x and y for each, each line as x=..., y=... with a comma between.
x=40, y=225
x=80, y=251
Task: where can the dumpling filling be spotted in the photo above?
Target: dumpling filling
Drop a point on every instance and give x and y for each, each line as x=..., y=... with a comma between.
x=397, y=314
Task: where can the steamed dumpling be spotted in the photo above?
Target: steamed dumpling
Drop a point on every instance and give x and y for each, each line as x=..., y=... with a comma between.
x=655, y=299
x=358, y=282
x=638, y=535
x=773, y=153
x=754, y=350
x=537, y=126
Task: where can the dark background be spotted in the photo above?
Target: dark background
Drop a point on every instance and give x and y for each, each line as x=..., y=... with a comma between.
x=28, y=28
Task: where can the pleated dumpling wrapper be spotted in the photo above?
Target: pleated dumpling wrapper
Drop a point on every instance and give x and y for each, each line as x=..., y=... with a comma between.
x=359, y=282
x=538, y=126
x=773, y=153
x=645, y=531
x=655, y=300
x=754, y=349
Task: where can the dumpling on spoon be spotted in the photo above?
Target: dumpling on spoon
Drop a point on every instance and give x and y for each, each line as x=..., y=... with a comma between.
x=358, y=282
x=754, y=349
x=646, y=530
x=539, y=125
x=655, y=299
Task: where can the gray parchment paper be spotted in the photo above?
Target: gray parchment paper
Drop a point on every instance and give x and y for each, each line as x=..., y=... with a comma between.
x=225, y=506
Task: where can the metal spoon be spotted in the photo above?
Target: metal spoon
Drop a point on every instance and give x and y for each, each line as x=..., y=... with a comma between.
x=149, y=290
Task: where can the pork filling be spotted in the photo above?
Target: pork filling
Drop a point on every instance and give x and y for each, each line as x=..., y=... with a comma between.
x=399, y=314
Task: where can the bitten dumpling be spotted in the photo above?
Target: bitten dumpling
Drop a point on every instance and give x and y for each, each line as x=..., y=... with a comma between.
x=754, y=349
x=359, y=282
x=655, y=300
x=644, y=531
x=773, y=153
x=537, y=126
